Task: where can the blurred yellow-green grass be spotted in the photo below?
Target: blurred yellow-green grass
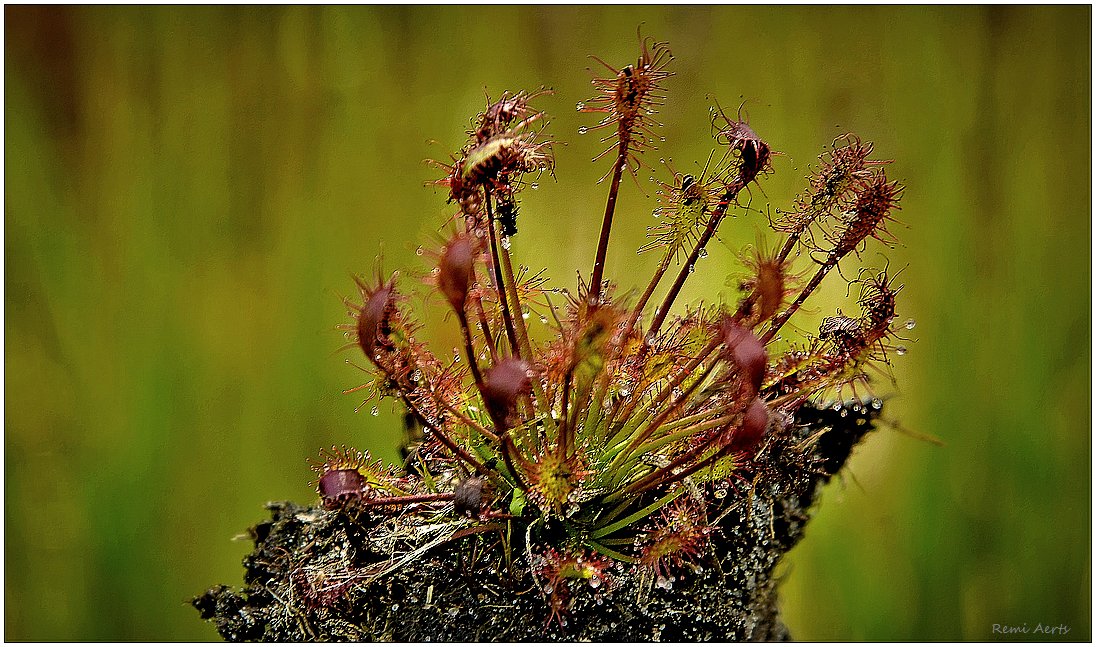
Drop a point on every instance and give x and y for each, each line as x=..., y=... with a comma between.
x=188, y=189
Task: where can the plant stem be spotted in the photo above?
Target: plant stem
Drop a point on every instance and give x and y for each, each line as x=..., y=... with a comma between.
x=630, y=452
x=783, y=317
x=470, y=350
x=499, y=286
x=788, y=246
x=642, y=303
x=522, y=348
x=447, y=441
x=676, y=381
x=658, y=476
x=709, y=231
x=465, y=420
x=485, y=328
x=626, y=453
x=645, y=512
x=564, y=440
x=667, y=411
x=668, y=439
x=607, y=221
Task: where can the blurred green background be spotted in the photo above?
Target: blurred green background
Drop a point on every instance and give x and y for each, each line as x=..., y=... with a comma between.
x=187, y=191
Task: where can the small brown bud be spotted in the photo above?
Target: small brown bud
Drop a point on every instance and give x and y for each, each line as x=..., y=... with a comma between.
x=502, y=385
x=746, y=351
x=468, y=496
x=373, y=319
x=754, y=425
x=455, y=271
x=340, y=486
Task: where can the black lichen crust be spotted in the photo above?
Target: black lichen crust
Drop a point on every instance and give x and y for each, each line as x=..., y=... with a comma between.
x=321, y=574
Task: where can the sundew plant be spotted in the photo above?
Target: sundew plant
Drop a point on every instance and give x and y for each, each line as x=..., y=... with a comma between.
x=598, y=432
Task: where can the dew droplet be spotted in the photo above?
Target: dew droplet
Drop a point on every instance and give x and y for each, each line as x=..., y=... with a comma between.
x=595, y=582
x=582, y=130
x=543, y=319
x=580, y=106
x=375, y=411
x=534, y=186
x=418, y=251
x=663, y=583
x=901, y=350
x=525, y=315
x=703, y=254
x=910, y=324
x=506, y=242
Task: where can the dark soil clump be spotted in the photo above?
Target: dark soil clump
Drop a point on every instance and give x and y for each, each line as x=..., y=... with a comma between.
x=362, y=574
